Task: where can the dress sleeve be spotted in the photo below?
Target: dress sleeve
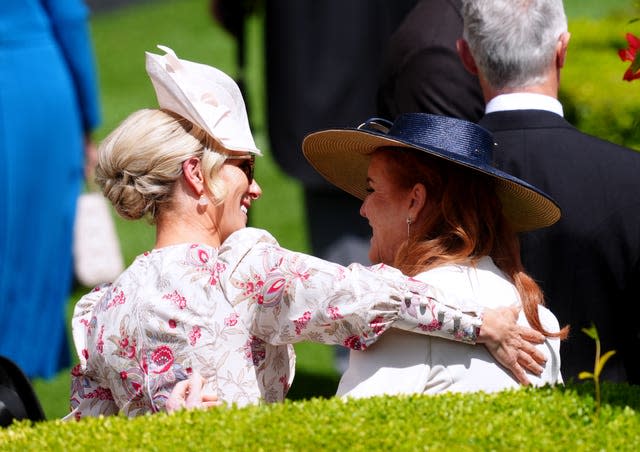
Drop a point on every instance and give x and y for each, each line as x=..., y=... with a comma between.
x=88, y=397
x=293, y=297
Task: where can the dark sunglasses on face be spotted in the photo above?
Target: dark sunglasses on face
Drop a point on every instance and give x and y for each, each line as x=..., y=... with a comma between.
x=247, y=165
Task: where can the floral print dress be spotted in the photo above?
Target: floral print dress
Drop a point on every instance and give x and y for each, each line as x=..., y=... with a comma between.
x=231, y=313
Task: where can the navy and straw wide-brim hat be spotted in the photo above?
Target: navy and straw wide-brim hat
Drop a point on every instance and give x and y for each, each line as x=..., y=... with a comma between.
x=342, y=157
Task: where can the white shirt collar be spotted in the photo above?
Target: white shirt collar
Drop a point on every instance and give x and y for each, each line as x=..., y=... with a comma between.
x=524, y=101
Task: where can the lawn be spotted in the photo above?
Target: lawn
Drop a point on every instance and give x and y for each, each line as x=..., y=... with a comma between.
x=121, y=38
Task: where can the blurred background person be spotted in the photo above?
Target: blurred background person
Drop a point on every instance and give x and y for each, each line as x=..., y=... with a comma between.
x=421, y=70
x=49, y=105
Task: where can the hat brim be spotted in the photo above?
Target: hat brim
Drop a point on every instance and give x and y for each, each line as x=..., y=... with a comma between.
x=342, y=157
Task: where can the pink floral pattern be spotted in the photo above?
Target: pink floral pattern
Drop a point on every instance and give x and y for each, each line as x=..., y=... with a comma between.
x=178, y=299
x=231, y=313
x=194, y=335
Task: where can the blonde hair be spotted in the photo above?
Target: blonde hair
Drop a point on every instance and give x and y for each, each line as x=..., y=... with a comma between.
x=140, y=162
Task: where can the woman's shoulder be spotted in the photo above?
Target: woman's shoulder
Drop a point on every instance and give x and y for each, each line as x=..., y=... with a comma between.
x=248, y=237
x=481, y=281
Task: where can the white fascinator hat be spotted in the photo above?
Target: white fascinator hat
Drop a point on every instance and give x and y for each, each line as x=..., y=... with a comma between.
x=205, y=96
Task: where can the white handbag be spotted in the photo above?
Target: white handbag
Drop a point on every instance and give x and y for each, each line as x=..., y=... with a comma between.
x=97, y=257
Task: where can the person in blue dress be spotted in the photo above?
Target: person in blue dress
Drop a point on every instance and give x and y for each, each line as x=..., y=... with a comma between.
x=48, y=106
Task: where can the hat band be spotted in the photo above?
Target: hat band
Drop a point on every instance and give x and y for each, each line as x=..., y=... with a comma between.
x=449, y=136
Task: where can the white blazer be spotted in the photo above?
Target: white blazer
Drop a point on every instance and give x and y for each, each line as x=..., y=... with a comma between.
x=406, y=363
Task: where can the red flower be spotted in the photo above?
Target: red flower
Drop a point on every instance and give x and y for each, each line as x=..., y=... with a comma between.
x=301, y=323
x=100, y=393
x=232, y=320
x=378, y=325
x=162, y=357
x=353, y=342
x=435, y=325
x=334, y=313
x=631, y=54
x=76, y=371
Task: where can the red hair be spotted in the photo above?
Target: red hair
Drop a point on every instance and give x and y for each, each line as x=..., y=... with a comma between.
x=462, y=221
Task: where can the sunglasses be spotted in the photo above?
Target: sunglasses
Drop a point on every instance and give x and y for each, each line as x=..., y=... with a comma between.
x=247, y=165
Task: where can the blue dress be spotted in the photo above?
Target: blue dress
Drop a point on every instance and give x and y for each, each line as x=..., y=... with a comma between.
x=48, y=101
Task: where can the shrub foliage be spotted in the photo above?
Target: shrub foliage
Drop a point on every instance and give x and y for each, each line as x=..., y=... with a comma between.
x=561, y=418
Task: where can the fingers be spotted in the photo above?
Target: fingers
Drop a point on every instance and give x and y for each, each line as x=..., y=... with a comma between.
x=194, y=395
x=529, y=350
x=189, y=394
x=530, y=335
x=529, y=363
x=520, y=375
x=211, y=403
x=177, y=397
x=512, y=345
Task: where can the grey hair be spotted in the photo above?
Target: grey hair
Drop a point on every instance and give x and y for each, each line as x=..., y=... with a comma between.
x=513, y=41
x=140, y=162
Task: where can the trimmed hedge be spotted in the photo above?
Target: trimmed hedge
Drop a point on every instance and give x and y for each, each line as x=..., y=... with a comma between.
x=547, y=419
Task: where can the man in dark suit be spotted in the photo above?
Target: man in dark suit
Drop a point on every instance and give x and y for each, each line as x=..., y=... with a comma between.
x=588, y=263
x=322, y=70
x=421, y=71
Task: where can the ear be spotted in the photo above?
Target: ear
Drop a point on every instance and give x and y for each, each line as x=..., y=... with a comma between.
x=464, y=52
x=417, y=200
x=561, y=49
x=193, y=176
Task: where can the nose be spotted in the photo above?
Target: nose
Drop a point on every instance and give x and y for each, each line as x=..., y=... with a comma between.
x=363, y=211
x=255, y=191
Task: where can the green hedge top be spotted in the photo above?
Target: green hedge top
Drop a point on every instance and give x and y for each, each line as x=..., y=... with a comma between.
x=561, y=418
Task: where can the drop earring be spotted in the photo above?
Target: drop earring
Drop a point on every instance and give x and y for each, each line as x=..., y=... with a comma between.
x=409, y=221
x=203, y=201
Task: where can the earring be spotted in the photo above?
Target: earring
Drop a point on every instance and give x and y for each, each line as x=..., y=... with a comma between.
x=203, y=201
x=409, y=221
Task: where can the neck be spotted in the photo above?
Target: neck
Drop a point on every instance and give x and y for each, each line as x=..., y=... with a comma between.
x=173, y=229
x=547, y=88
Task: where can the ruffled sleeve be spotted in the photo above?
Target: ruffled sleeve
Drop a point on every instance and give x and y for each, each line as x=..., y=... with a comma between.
x=88, y=397
x=293, y=297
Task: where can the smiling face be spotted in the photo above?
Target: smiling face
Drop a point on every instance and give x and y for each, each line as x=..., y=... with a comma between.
x=387, y=208
x=241, y=191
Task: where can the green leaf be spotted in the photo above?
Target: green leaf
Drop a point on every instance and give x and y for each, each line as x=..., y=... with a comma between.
x=585, y=375
x=592, y=332
x=603, y=359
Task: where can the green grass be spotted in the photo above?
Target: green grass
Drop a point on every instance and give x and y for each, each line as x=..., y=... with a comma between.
x=122, y=37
